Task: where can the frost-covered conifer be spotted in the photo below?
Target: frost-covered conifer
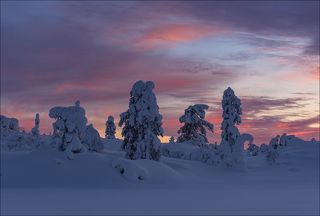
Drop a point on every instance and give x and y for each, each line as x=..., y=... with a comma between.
x=35, y=129
x=142, y=123
x=110, y=128
x=69, y=127
x=171, y=140
x=194, y=128
x=231, y=142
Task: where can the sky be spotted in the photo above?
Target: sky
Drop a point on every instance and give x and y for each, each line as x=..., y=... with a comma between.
x=54, y=53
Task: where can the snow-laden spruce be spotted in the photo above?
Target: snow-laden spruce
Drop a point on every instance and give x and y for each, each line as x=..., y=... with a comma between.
x=231, y=141
x=194, y=128
x=35, y=130
x=110, y=128
x=142, y=123
x=70, y=130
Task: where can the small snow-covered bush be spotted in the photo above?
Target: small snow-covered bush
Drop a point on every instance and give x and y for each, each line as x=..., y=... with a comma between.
x=194, y=128
x=263, y=148
x=171, y=140
x=253, y=149
x=130, y=170
x=92, y=139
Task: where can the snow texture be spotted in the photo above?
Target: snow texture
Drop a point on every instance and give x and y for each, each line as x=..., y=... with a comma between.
x=142, y=123
x=44, y=182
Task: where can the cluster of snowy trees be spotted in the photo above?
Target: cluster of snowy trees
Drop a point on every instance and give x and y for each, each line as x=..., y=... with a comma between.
x=8, y=125
x=142, y=125
x=14, y=138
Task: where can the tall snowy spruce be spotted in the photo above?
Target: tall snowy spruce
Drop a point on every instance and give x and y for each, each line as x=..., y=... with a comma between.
x=231, y=143
x=35, y=129
x=110, y=128
x=194, y=128
x=142, y=123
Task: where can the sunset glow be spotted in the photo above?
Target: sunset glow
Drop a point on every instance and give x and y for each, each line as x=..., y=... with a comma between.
x=55, y=52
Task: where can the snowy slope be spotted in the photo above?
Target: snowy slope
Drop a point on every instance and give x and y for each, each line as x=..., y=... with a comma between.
x=46, y=182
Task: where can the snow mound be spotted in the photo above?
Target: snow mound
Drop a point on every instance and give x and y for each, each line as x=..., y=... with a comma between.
x=112, y=144
x=300, y=154
x=130, y=170
x=188, y=151
x=143, y=170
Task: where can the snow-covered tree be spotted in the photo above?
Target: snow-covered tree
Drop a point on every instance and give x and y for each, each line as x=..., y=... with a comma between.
x=110, y=128
x=92, y=139
x=231, y=143
x=194, y=128
x=283, y=140
x=171, y=140
x=263, y=148
x=8, y=125
x=69, y=127
x=274, y=142
x=253, y=149
x=35, y=130
x=142, y=123
x=272, y=153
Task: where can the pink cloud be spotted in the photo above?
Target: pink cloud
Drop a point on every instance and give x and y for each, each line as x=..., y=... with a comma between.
x=170, y=34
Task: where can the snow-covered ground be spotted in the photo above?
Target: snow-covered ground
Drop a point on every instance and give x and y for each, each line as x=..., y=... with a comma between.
x=45, y=181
